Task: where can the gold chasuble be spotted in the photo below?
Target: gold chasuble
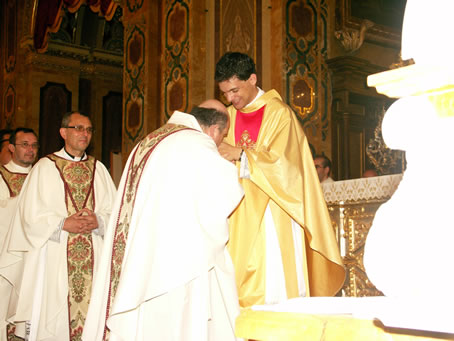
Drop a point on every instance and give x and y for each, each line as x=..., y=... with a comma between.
x=78, y=178
x=283, y=178
x=134, y=173
x=14, y=181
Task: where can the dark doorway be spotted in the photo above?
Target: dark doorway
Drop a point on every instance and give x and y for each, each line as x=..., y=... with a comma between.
x=55, y=101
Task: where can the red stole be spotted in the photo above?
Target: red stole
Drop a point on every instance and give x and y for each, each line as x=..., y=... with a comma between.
x=247, y=127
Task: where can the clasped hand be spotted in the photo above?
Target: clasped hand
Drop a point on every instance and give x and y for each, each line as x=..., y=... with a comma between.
x=229, y=152
x=83, y=221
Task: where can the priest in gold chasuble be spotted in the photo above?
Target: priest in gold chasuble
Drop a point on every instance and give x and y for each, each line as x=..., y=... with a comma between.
x=57, y=236
x=281, y=239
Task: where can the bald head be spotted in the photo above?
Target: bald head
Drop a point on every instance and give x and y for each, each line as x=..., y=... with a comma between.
x=214, y=104
x=213, y=119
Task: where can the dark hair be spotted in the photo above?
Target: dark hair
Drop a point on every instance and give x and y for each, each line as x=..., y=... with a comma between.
x=3, y=133
x=67, y=116
x=234, y=64
x=326, y=162
x=12, y=138
x=208, y=117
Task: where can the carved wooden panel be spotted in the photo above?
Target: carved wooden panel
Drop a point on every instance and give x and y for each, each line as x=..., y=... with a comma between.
x=238, y=28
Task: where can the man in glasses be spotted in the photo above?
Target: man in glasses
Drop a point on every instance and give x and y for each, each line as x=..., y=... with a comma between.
x=58, y=231
x=5, y=154
x=323, y=168
x=23, y=148
x=281, y=239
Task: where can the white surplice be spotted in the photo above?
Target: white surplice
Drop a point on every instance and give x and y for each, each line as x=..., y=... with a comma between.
x=177, y=278
x=7, y=206
x=32, y=258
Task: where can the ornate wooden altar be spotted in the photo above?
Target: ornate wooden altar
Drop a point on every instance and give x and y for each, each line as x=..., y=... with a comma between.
x=352, y=205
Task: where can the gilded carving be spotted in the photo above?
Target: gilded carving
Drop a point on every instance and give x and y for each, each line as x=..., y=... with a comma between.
x=385, y=160
x=352, y=205
x=357, y=220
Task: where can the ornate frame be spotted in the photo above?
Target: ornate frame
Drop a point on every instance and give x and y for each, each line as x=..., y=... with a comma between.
x=378, y=34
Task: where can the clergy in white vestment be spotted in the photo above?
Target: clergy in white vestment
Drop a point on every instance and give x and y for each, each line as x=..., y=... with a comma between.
x=165, y=272
x=24, y=149
x=57, y=233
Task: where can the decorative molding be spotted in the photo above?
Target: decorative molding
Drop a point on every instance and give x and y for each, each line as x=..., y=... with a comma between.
x=365, y=189
x=352, y=39
x=385, y=35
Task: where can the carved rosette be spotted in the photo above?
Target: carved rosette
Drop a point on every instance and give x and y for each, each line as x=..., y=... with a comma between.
x=134, y=69
x=306, y=77
x=176, y=54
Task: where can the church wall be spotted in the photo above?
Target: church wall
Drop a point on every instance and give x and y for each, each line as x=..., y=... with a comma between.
x=170, y=51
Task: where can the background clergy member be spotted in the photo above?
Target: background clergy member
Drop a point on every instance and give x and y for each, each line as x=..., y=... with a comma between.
x=23, y=146
x=165, y=272
x=281, y=239
x=5, y=153
x=57, y=230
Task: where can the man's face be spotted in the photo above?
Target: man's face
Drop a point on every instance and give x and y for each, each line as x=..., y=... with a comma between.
x=76, y=142
x=25, y=150
x=216, y=133
x=5, y=153
x=239, y=93
x=322, y=171
x=219, y=135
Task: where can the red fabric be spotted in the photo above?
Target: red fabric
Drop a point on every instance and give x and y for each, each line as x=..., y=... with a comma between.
x=247, y=127
x=48, y=16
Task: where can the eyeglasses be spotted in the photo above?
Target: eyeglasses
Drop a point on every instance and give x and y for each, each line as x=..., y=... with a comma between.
x=81, y=129
x=26, y=145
